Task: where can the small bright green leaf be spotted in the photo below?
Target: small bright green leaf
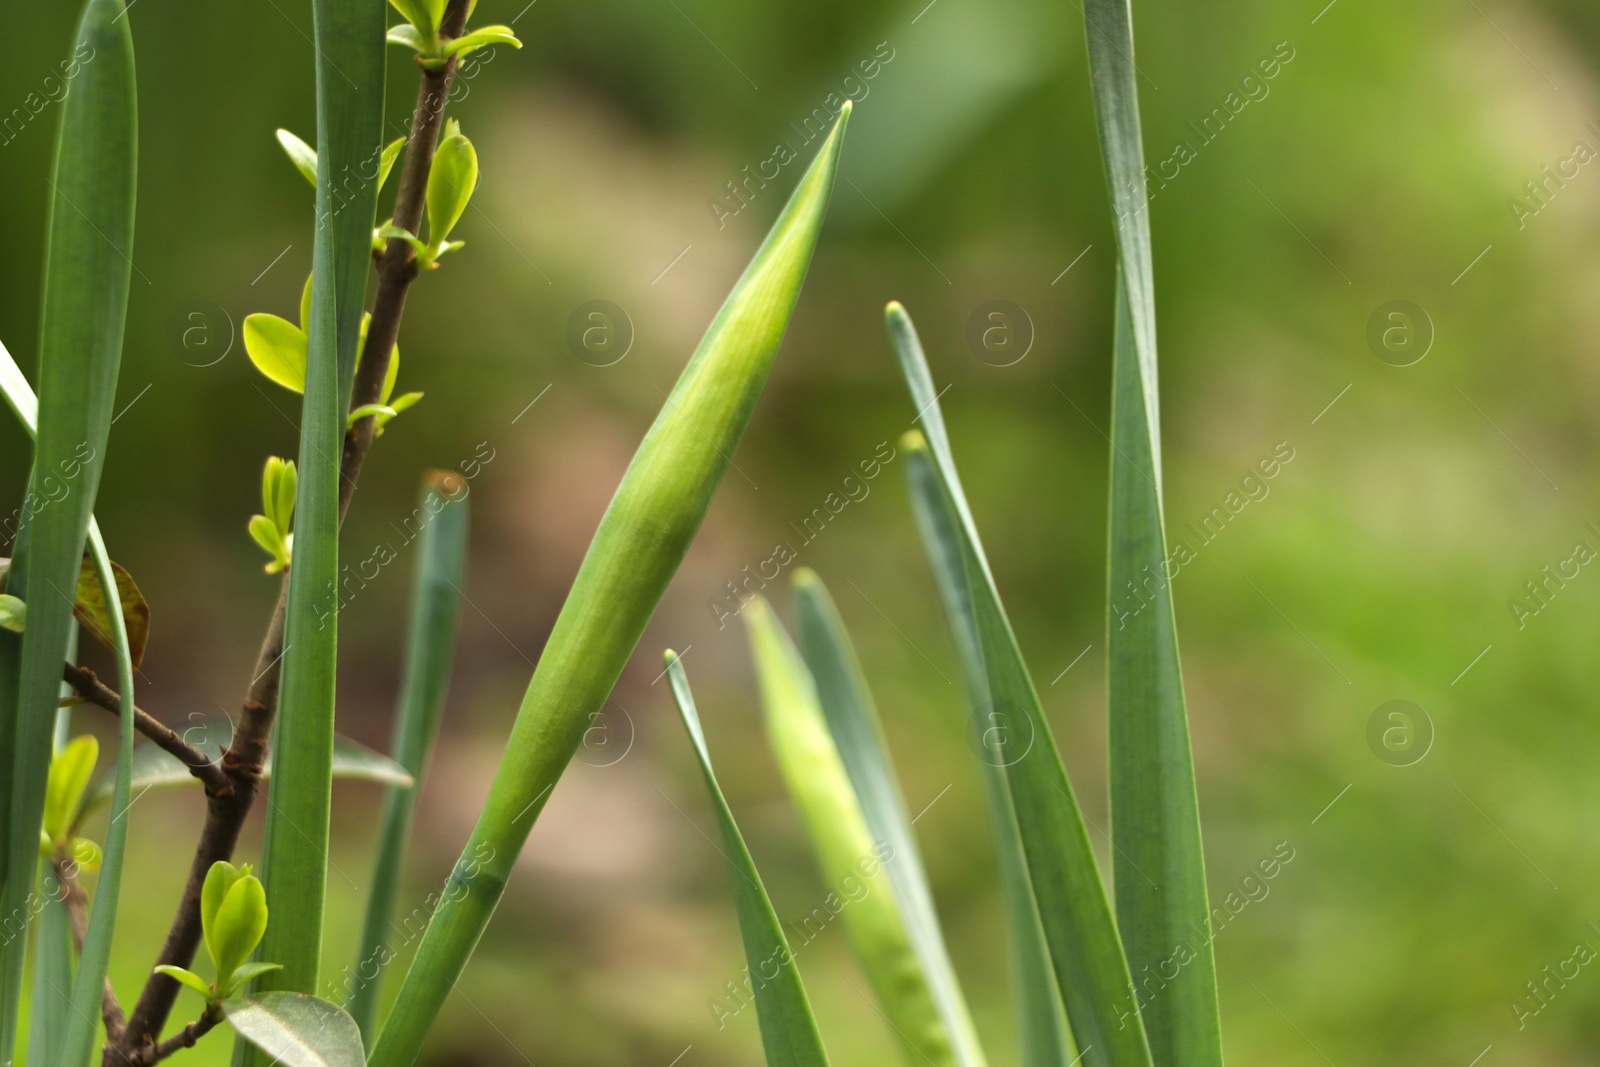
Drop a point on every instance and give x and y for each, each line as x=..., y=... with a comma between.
x=411, y=10
x=302, y=155
x=188, y=978
x=389, y=375
x=788, y=1029
x=279, y=483
x=391, y=152
x=154, y=767
x=305, y=306
x=222, y=877
x=13, y=613
x=482, y=38
x=265, y=532
x=450, y=186
x=407, y=35
x=96, y=617
x=236, y=926
x=244, y=973
x=278, y=349
x=404, y=401
x=85, y=853
x=380, y=412
x=70, y=772
x=297, y=1029
x=851, y=860
x=401, y=233
x=646, y=530
x=418, y=246
x=434, y=10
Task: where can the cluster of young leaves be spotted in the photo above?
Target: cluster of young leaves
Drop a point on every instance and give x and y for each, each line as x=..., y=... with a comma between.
x=451, y=183
x=272, y=530
x=420, y=33
x=278, y=348
x=65, y=788
x=233, y=917
x=295, y=1029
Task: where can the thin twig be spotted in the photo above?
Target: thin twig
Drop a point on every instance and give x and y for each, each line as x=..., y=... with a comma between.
x=96, y=692
x=185, y=1038
x=242, y=761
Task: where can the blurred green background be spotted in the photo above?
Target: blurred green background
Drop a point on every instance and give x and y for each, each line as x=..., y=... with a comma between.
x=1379, y=163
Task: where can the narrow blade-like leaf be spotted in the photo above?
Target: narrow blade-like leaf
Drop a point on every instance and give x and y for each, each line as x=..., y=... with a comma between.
x=77, y=1029
x=430, y=648
x=350, y=137
x=788, y=1030
x=96, y=956
x=1044, y=1038
x=51, y=997
x=642, y=538
x=874, y=791
x=86, y=275
x=1085, y=951
x=1162, y=909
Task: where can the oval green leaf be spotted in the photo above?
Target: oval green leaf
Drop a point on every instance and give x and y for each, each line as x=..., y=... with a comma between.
x=297, y=1029
x=278, y=349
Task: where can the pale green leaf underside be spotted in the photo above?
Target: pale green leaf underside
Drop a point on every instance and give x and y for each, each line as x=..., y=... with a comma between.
x=155, y=768
x=297, y=1030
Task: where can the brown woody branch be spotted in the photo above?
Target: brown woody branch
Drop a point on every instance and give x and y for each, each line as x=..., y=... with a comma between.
x=96, y=692
x=185, y=1038
x=242, y=761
